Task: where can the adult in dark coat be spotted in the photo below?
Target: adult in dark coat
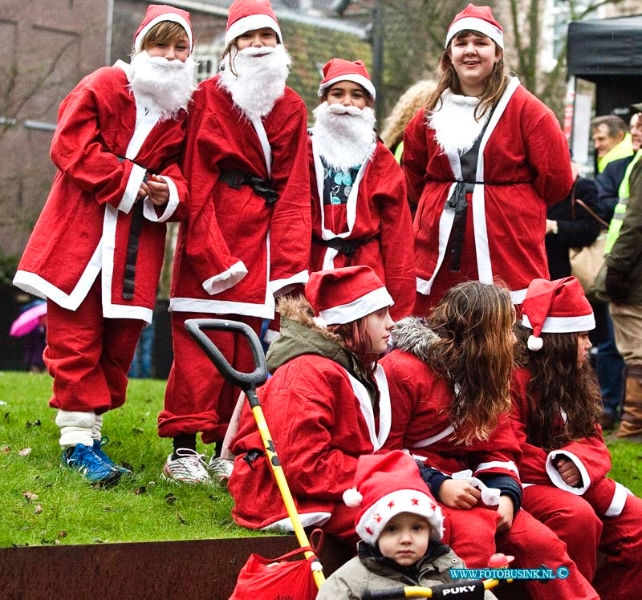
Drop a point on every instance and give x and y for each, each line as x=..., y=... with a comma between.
x=569, y=226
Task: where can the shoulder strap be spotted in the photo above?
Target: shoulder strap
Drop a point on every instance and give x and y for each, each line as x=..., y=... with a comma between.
x=573, y=199
x=591, y=212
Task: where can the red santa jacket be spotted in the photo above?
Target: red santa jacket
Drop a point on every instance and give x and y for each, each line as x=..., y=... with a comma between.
x=523, y=165
x=321, y=419
x=377, y=209
x=84, y=227
x=590, y=455
x=420, y=404
x=235, y=250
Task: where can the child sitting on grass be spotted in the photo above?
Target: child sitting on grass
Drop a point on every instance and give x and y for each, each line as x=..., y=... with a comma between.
x=400, y=527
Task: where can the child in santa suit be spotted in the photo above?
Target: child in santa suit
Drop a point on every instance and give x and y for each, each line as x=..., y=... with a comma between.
x=97, y=249
x=449, y=380
x=360, y=214
x=400, y=526
x=565, y=462
x=482, y=160
x=326, y=404
x=246, y=239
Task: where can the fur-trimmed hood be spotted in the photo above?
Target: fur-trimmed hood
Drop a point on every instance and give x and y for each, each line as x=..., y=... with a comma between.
x=414, y=335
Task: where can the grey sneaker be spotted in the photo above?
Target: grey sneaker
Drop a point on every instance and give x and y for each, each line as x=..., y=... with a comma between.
x=189, y=467
x=221, y=468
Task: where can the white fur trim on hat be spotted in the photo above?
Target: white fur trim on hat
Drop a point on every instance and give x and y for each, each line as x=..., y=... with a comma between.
x=361, y=307
x=475, y=24
x=378, y=515
x=168, y=16
x=251, y=23
x=355, y=78
x=564, y=324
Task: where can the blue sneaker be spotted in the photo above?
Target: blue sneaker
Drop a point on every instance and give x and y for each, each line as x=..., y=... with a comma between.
x=98, y=451
x=93, y=468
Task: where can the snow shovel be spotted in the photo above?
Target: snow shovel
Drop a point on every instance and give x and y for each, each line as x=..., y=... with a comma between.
x=248, y=382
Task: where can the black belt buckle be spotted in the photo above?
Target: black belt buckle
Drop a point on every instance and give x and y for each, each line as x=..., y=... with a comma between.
x=262, y=189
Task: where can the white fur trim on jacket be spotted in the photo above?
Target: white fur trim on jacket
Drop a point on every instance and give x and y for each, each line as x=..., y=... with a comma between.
x=619, y=500
x=226, y=280
x=556, y=478
x=377, y=439
x=490, y=496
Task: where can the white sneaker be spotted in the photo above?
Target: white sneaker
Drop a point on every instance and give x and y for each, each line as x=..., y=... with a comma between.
x=221, y=468
x=188, y=468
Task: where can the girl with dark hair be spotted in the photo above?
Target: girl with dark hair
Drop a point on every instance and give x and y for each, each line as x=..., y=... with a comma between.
x=565, y=462
x=482, y=162
x=326, y=404
x=449, y=379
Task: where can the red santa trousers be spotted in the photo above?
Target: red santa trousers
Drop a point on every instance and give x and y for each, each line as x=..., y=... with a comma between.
x=89, y=356
x=572, y=518
x=621, y=543
x=473, y=538
x=202, y=401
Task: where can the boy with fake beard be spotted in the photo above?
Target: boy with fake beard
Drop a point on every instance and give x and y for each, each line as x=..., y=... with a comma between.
x=247, y=236
x=97, y=249
x=360, y=214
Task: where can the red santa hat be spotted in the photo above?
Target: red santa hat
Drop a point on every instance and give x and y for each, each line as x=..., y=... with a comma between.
x=248, y=15
x=385, y=486
x=558, y=306
x=157, y=13
x=343, y=295
x=338, y=69
x=476, y=18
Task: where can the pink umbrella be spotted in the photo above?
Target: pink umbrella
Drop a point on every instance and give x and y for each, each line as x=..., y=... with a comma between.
x=28, y=320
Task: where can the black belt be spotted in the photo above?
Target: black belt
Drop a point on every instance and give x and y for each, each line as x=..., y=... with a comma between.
x=135, y=227
x=235, y=179
x=459, y=204
x=346, y=246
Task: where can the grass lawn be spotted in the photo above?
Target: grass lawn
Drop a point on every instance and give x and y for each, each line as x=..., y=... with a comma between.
x=43, y=503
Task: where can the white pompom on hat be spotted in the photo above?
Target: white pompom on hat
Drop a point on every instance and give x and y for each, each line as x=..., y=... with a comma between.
x=387, y=485
x=249, y=15
x=339, y=69
x=344, y=295
x=476, y=18
x=558, y=306
x=157, y=13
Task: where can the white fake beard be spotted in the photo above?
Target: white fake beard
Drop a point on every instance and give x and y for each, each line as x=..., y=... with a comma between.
x=161, y=84
x=344, y=135
x=262, y=73
x=454, y=123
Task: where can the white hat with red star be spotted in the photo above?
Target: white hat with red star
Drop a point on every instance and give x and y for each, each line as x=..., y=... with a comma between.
x=387, y=485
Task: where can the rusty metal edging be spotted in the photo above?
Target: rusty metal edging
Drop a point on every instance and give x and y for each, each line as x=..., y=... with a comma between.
x=186, y=570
